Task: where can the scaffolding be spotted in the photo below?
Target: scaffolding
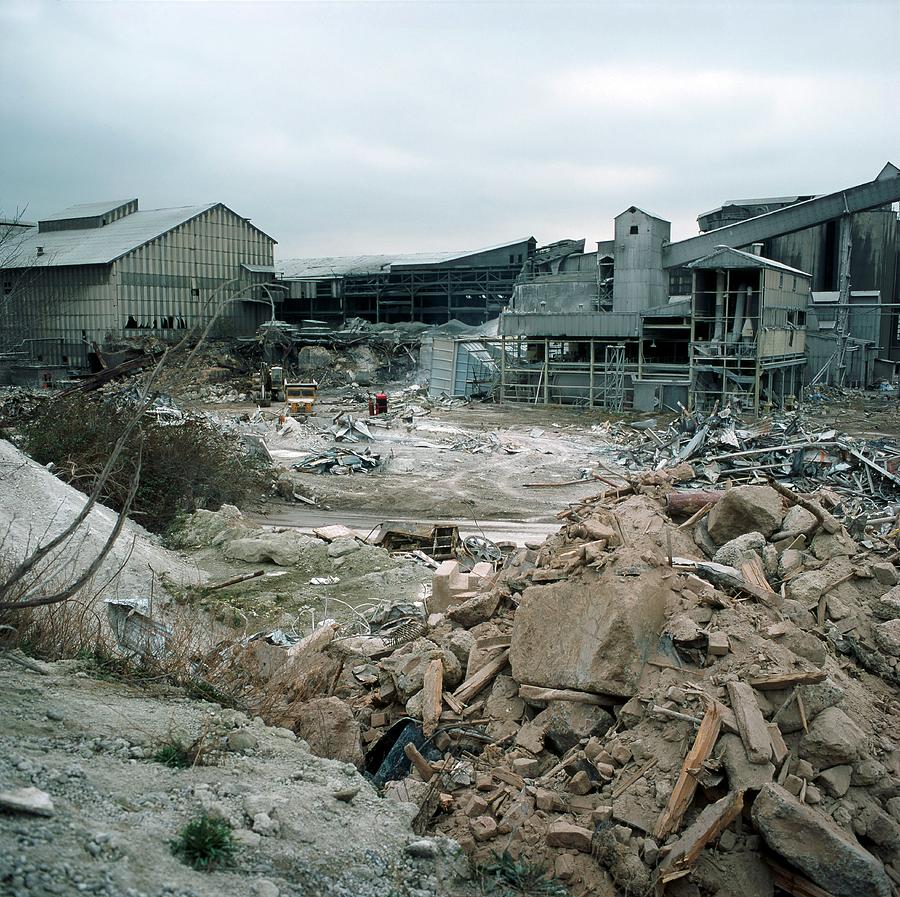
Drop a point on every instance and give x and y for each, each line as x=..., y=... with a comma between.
x=584, y=372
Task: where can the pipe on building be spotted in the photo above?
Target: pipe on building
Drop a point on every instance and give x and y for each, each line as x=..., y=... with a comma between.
x=720, y=306
x=738, y=324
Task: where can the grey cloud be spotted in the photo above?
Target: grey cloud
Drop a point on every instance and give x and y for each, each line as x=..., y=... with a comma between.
x=353, y=127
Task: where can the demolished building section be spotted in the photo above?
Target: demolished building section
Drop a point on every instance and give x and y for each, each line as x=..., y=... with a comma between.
x=432, y=288
x=621, y=337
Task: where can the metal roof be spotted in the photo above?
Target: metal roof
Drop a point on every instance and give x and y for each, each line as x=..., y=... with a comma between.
x=88, y=209
x=100, y=246
x=258, y=269
x=764, y=201
x=737, y=258
x=331, y=266
x=348, y=265
x=633, y=209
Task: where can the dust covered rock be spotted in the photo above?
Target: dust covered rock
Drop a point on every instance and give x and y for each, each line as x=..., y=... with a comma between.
x=833, y=739
x=327, y=725
x=811, y=841
x=745, y=509
x=599, y=626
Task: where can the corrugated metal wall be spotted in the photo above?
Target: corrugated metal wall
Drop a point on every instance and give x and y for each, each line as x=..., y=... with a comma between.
x=162, y=288
x=461, y=368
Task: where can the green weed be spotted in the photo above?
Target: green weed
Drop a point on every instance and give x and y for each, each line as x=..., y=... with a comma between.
x=204, y=844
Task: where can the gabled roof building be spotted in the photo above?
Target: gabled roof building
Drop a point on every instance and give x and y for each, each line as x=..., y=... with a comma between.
x=95, y=274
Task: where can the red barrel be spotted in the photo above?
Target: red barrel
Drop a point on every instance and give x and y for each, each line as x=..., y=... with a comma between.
x=381, y=404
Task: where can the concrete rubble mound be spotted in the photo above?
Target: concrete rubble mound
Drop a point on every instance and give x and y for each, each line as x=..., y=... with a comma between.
x=670, y=695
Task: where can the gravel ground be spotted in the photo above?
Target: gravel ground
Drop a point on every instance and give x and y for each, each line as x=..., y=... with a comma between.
x=87, y=742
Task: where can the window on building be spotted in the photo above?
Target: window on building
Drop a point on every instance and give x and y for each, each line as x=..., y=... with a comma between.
x=680, y=282
x=195, y=291
x=633, y=229
x=7, y=287
x=781, y=281
x=512, y=259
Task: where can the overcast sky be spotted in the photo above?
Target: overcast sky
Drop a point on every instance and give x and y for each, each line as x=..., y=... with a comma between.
x=344, y=128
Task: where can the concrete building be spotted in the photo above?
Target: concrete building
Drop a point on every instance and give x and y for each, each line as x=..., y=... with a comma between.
x=432, y=288
x=94, y=275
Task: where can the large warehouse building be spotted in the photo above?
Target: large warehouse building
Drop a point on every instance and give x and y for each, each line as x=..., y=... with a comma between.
x=100, y=273
x=433, y=288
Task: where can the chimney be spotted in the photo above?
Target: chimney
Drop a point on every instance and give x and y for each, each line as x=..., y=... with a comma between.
x=756, y=248
x=40, y=250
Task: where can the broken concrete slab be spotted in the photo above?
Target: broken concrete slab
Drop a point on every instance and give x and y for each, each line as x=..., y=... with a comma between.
x=816, y=698
x=746, y=547
x=833, y=739
x=751, y=723
x=283, y=549
x=566, y=723
x=745, y=509
x=887, y=637
x=812, y=842
x=31, y=801
x=475, y=610
x=742, y=774
x=564, y=834
x=600, y=627
x=836, y=780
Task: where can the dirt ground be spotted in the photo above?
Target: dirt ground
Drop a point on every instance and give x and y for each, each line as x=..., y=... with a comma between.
x=429, y=473
x=88, y=743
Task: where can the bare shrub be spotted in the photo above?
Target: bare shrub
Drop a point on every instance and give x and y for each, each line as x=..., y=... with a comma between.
x=185, y=465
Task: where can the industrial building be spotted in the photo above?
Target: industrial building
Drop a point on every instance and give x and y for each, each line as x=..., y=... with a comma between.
x=433, y=288
x=97, y=274
x=646, y=323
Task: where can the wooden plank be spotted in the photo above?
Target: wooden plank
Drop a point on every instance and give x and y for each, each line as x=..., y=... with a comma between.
x=432, y=697
x=479, y=680
x=755, y=574
x=794, y=883
x=779, y=681
x=751, y=723
x=623, y=786
x=421, y=764
x=696, y=518
x=711, y=822
x=683, y=792
x=536, y=693
x=692, y=502
x=453, y=704
x=507, y=776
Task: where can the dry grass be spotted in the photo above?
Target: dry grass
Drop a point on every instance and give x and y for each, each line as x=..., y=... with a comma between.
x=178, y=648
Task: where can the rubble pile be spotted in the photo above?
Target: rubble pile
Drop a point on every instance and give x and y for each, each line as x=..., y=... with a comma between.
x=700, y=699
x=862, y=472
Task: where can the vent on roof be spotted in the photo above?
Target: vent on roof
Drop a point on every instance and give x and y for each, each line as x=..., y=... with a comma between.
x=40, y=250
x=88, y=215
